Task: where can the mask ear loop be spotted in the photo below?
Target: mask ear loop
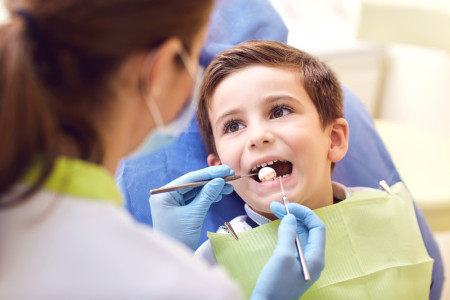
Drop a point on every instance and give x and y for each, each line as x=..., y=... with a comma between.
x=192, y=70
x=196, y=74
x=149, y=98
x=198, y=80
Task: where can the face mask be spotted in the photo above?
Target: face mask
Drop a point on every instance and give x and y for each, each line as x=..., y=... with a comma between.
x=165, y=134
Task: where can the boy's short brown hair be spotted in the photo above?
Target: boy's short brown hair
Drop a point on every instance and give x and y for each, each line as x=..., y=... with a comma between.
x=317, y=78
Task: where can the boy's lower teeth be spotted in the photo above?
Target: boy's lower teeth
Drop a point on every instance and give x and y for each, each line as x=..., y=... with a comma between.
x=277, y=178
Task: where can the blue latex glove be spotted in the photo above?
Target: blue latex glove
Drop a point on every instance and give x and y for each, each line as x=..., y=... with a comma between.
x=282, y=277
x=180, y=214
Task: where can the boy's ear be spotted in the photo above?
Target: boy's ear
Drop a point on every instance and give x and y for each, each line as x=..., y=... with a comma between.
x=213, y=160
x=338, y=140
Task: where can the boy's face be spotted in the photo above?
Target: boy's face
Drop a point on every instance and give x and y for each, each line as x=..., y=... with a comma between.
x=263, y=115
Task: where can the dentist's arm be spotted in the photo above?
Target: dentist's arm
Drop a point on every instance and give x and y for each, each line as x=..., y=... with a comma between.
x=180, y=213
x=282, y=277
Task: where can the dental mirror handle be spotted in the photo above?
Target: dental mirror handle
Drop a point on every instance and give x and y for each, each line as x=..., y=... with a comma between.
x=198, y=183
x=306, y=274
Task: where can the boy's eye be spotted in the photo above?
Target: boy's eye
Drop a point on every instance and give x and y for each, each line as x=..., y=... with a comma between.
x=233, y=126
x=280, y=111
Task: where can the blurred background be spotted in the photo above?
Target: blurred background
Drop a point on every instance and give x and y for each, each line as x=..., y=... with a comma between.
x=395, y=55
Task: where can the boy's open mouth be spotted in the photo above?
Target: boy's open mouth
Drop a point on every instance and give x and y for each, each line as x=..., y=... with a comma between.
x=282, y=167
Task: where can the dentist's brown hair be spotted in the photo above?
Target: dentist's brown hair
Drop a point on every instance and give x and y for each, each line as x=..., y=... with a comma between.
x=56, y=61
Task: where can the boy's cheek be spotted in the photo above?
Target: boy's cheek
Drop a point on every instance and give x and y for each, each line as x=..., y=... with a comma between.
x=230, y=158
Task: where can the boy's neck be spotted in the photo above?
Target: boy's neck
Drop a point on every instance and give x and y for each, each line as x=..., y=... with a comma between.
x=324, y=198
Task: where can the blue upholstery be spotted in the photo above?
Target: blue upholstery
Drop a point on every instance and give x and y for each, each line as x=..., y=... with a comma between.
x=366, y=163
x=235, y=21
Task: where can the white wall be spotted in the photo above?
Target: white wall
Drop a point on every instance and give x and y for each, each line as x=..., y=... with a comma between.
x=417, y=87
x=3, y=13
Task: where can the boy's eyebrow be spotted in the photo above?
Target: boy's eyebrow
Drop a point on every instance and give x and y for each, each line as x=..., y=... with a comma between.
x=226, y=114
x=274, y=98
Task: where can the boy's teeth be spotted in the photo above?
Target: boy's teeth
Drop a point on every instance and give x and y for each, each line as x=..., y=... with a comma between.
x=276, y=178
x=262, y=165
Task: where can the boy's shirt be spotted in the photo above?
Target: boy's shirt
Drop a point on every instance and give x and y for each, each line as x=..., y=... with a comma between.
x=253, y=219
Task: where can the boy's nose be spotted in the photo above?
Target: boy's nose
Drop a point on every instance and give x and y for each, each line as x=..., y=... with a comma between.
x=260, y=136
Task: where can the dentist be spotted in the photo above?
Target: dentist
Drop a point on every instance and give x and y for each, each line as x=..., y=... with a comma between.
x=81, y=85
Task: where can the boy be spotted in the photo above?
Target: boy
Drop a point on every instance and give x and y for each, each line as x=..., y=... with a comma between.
x=268, y=104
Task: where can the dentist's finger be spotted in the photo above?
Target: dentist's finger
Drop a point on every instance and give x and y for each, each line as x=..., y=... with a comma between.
x=314, y=248
x=210, y=193
x=286, y=233
x=186, y=198
x=305, y=215
x=278, y=209
x=203, y=174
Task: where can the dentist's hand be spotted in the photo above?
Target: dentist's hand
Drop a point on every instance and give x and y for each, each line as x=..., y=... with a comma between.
x=282, y=276
x=180, y=214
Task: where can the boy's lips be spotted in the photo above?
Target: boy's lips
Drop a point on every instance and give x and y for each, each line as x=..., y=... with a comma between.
x=282, y=168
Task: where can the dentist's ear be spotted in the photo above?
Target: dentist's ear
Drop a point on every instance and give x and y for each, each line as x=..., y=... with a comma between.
x=338, y=140
x=213, y=160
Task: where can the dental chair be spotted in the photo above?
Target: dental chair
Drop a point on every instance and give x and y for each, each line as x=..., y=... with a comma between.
x=366, y=163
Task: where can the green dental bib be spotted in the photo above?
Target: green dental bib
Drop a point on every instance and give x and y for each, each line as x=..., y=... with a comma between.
x=374, y=250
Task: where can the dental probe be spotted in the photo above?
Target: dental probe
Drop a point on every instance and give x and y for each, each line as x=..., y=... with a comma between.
x=297, y=241
x=265, y=174
x=198, y=183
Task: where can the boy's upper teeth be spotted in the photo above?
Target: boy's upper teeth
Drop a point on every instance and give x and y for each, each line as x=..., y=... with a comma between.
x=262, y=165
